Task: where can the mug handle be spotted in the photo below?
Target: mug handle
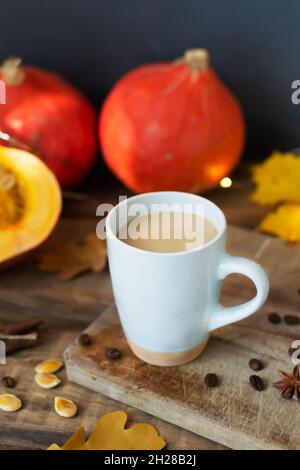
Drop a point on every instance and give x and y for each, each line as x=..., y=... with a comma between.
x=234, y=264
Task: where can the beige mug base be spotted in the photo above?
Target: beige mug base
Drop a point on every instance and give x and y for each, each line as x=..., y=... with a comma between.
x=167, y=359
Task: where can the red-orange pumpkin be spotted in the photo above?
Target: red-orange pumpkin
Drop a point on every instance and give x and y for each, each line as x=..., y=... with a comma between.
x=172, y=126
x=51, y=118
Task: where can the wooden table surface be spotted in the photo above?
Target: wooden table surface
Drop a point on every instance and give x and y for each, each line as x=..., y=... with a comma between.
x=67, y=308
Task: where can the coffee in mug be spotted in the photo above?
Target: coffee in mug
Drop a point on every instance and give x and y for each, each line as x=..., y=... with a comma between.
x=168, y=231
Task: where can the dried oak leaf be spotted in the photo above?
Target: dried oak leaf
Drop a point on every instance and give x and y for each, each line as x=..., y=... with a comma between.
x=277, y=179
x=284, y=222
x=71, y=258
x=109, y=434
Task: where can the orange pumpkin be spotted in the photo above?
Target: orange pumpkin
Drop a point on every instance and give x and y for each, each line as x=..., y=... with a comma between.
x=172, y=126
x=45, y=113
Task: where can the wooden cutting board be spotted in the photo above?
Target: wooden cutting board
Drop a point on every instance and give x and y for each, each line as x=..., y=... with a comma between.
x=233, y=414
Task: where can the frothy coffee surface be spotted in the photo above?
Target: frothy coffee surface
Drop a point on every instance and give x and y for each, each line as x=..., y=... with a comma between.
x=168, y=232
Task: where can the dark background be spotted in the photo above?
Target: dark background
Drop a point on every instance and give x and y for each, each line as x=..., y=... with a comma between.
x=254, y=46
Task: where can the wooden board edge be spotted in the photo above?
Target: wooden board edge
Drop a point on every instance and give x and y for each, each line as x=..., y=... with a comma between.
x=204, y=428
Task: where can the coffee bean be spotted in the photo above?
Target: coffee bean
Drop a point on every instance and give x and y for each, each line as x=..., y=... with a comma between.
x=274, y=318
x=211, y=380
x=85, y=339
x=256, y=383
x=291, y=320
x=113, y=353
x=256, y=364
x=8, y=382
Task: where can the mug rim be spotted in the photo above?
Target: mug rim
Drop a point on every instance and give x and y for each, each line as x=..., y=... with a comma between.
x=112, y=235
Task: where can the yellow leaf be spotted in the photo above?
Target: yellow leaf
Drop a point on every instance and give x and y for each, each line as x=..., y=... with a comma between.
x=277, y=179
x=54, y=447
x=284, y=222
x=75, y=441
x=110, y=434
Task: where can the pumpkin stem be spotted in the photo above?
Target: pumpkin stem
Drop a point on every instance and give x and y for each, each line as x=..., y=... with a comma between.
x=197, y=59
x=13, y=142
x=12, y=72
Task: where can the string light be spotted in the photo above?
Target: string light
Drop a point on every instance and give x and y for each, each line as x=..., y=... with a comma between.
x=226, y=182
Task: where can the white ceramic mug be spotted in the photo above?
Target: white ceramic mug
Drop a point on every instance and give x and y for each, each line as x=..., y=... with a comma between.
x=168, y=302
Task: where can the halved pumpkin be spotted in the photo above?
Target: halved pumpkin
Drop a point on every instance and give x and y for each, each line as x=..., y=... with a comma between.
x=30, y=203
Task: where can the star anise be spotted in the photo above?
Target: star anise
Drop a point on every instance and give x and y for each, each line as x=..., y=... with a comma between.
x=289, y=384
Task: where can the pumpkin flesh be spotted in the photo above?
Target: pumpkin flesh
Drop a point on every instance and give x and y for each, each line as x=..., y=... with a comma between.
x=30, y=207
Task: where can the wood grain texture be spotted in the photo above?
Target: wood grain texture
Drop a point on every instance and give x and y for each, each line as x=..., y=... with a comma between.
x=68, y=307
x=233, y=414
x=36, y=425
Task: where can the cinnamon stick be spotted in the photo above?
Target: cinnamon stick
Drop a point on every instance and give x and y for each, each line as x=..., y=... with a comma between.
x=16, y=342
x=23, y=326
